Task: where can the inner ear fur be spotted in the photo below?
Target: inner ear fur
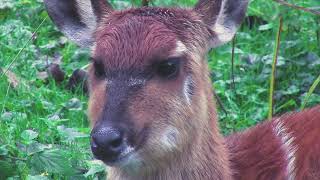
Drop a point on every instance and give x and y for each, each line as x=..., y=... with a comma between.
x=223, y=17
x=78, y=19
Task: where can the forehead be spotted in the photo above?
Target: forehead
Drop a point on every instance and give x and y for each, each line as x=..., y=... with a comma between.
x=133, y=39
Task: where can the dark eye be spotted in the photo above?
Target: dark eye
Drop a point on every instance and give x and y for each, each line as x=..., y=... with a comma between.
x=98, y=69
x=168, y=68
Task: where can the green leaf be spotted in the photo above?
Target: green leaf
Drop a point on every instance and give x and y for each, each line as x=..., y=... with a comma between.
x=36, y=148
x=52, y=161
x=6, y=116
x=70, y=134
x=7, y=169
x=3, y=150
x=6, y=4
x=29, y=135
x=95, y=168
x=74, y=104
x=38, y=177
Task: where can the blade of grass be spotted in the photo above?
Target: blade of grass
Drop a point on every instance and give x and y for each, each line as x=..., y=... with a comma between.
x=311, y=90
x=232, y=64
x=25, y=45
x=274, y=66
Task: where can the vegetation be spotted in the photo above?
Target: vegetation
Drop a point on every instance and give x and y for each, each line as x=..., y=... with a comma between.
x=44, y=130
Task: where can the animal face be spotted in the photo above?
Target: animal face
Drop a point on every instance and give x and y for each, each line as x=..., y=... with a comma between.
x=142, y=79
x=148, y=79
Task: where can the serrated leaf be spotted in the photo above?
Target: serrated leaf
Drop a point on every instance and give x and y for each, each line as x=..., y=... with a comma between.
x=36, y=148
x=3, y=150
x=95, y=168
x=70, y=134
x=6, y=116
x=38, y=177
x=9, y=116
x=52, y=161
x=29, y=135
x=7, y=169
x=6, y=4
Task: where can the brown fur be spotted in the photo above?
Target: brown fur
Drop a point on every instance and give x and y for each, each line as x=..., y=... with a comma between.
x=159, y=35
x=257, y=153
x=254, y=154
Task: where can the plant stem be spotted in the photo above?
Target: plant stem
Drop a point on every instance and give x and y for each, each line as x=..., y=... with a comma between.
x=274, y=66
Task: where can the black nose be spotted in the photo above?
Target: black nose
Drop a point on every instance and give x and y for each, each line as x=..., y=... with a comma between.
x=107, y=143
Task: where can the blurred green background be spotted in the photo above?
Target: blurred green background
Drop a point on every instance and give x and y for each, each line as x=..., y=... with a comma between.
x=44, y=130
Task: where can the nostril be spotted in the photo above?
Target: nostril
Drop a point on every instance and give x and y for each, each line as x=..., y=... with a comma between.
x=116, y=143
x=107, y=142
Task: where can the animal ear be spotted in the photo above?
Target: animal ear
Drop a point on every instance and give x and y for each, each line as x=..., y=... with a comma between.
x=78, y=19
x=223, y=17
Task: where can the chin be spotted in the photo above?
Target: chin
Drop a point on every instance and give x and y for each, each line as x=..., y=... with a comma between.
x=130, y=161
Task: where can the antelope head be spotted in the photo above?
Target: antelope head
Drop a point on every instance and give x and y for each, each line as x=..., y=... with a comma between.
x=150, y=92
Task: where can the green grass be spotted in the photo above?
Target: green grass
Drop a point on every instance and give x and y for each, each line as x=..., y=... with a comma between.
x=44, y=128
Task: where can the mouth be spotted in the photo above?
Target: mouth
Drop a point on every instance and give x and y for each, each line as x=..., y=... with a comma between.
x=123, y=159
